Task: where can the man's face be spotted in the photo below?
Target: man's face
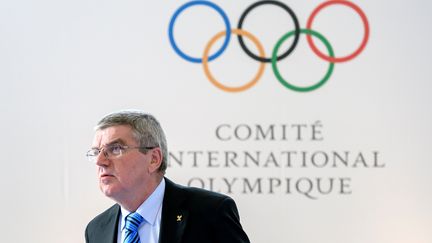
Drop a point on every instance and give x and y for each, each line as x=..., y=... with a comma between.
x=123, y=177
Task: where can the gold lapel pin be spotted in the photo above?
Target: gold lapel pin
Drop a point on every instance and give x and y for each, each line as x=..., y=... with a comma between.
x=179, y=217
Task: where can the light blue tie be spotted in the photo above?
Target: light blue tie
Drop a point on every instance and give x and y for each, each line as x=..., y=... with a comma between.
x=132, y=222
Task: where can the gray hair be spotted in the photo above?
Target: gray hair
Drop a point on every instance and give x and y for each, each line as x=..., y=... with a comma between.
x=145, y=128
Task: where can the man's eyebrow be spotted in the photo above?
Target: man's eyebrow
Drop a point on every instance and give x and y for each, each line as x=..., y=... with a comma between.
x=115, y=141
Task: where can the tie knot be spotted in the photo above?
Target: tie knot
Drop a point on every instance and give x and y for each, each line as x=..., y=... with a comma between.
x=133, y=220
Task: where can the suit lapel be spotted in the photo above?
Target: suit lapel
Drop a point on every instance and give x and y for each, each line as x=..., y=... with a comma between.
x=108, y=228
x=174, y=214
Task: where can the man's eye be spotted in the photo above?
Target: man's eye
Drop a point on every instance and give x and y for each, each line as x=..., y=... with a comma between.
x=93, y=152
x=116, y=149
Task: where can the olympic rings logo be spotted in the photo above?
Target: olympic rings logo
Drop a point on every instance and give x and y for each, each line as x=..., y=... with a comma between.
x=260, y=57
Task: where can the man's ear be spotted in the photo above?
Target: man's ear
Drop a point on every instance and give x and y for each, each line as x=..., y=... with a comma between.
x=156, y=159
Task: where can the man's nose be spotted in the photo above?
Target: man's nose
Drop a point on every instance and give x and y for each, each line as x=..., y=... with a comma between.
x=102, y=159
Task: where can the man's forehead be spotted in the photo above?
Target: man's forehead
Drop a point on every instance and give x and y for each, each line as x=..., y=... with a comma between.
x=110, y=134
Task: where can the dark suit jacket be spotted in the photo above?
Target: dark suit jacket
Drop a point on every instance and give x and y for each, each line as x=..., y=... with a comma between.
x=189, y=215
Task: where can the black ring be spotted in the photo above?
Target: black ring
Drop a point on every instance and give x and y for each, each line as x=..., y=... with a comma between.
x=296, y=35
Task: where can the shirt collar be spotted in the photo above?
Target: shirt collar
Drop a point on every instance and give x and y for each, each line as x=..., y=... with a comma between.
x=150, y=207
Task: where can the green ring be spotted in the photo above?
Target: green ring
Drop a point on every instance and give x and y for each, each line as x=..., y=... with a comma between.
x=279, y=76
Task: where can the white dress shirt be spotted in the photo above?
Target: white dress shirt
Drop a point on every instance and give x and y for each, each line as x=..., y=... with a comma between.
x=151, y=211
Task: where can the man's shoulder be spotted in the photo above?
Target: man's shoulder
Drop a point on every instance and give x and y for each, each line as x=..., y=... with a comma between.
x=204, y=194
x=199, y=196
x=105, y=217
x=103, y=227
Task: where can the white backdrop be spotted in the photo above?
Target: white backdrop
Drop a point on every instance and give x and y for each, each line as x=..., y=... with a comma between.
x=64, y=64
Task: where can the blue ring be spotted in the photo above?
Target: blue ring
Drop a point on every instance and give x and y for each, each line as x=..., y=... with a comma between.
x=171, y=27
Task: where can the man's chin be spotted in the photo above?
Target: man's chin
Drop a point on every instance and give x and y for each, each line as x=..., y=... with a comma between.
x=108, y=190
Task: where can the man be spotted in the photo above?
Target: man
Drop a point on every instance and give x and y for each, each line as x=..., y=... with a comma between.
x=130, y=152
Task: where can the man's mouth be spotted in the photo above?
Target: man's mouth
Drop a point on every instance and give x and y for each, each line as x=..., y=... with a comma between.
x=105, y=175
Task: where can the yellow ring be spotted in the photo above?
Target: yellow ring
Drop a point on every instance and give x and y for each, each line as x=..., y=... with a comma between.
x=217, y=83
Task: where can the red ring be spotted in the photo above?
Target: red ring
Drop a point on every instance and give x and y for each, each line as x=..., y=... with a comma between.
x=362, y=45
